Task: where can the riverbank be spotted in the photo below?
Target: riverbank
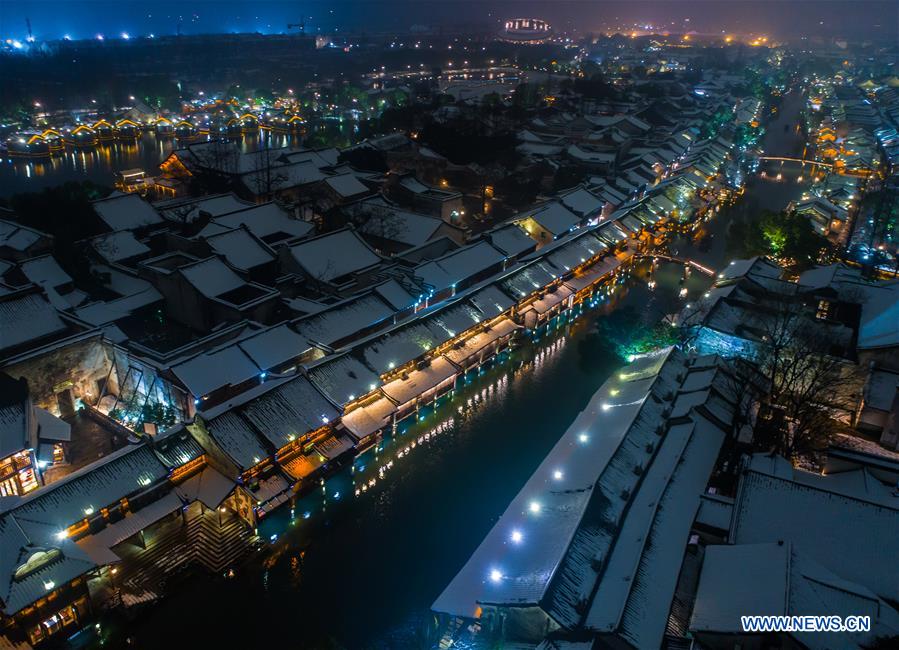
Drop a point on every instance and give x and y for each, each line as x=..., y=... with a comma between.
x=355, y=572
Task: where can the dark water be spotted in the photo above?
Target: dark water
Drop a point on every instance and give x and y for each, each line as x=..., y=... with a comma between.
x=361, y=571
x=100, y=164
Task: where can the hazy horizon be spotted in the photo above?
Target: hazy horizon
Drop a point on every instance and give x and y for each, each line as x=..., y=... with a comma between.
x=54, y=19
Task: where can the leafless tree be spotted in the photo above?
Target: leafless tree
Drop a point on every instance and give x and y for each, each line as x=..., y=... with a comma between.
x=812, y=386
x=268, y=178
x=385, y=224
x=218, y=156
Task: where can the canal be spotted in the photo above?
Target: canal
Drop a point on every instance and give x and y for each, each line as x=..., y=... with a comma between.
x=360, y=571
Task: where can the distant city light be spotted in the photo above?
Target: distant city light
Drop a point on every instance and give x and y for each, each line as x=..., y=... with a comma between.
x=99, y=37
x=125, y=36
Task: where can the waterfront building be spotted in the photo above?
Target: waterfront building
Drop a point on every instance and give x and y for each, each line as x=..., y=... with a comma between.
x=591, y=548
x=252, y=358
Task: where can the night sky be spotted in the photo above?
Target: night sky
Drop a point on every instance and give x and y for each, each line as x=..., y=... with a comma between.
x=53, y=19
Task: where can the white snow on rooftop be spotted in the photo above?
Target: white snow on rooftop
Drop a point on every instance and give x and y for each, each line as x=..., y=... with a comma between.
x=346, y=185
x=880, y=317
x=126, y=212
x=274, y=346
x=117, y=246
x=45, y=271
x=555, y=217
x=210, y=371
x=266, y=221
x=459, y=265
x=240, y=249
x=212, y=277
x=548, y=512
x=334, y=255
x=511, y=239
x=348, y=317
x=777, y=579
x=26, y=318
x=776, y=502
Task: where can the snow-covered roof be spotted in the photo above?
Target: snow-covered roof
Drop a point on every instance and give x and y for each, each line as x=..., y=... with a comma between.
x=210, y=371
x=274, y=346
x=821, y=516
x=459, y=265
x=31, y=528
x=17, y=236
x=776, y=579
x=45, y=271
x=269, y=222
x=511, y=239
x=241, y=249
x=334, y=255
x=879, y=326
x=343, y=378
x=126, y=212
x=822, y=277
x=491, y=301
x=573, y=251
x=403, y=226
x=211, y=277
x=350, y=316
x=582, y=202
x=26, y=317
x=288, y=411
x=237, y=439
x=554, y=217
x=118, y=246
x=528, y=279
x=401, y=345
x=188, y=210
x=395, y=294
x=346, y=185
x=587, y=500
x=278, y=177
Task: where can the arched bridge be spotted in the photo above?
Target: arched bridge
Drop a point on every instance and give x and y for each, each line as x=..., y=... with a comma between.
x=680, y=260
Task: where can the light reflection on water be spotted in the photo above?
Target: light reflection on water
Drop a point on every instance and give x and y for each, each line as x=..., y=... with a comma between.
x=360, y=571
x=100, y=163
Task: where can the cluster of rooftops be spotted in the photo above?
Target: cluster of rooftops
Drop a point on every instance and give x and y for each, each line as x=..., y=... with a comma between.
x=364, y=336
x=623, y=536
